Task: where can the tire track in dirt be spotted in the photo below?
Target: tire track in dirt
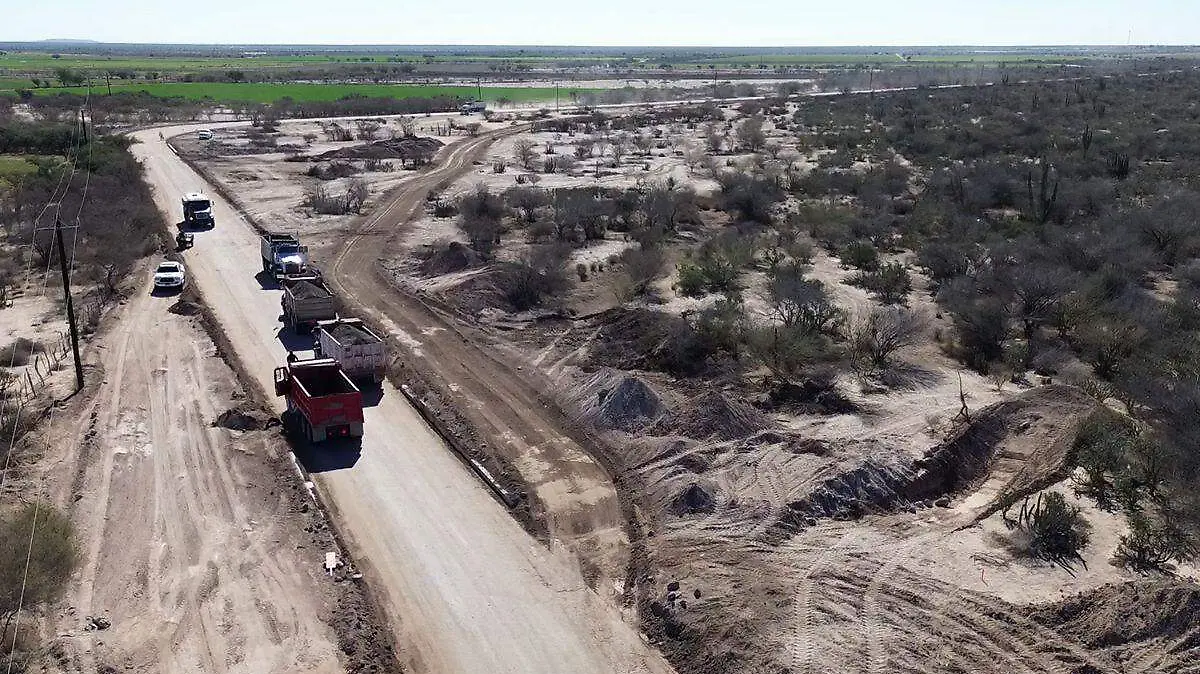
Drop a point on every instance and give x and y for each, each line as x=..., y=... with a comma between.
x=187, y=549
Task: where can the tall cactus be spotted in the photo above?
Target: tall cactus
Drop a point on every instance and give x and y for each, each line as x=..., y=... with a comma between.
x=1086, y=138
x=1041, y=204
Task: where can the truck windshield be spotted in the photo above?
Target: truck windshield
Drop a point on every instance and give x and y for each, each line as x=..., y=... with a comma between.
x=198, y=205
x=287, y=249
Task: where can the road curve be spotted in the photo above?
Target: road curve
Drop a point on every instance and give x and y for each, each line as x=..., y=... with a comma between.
x=465, y=588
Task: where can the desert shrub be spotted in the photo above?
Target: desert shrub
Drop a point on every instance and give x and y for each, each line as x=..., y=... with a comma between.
x=860, y=255
x=1151, y=546
x=332, y=170
x=1056, y=529
x=1101, y=450
x=801, y=303
x=890, y=283
x=537, y=277
x=722, y=326
x=883, y=332
x=51, y=559
x=639, y=268
x=751, y=197
x=718, y=265
x=18, y=352
x=324, y=201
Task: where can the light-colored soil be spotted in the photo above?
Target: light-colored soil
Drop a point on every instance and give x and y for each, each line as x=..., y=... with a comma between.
x=466, y=589
x=191, y=545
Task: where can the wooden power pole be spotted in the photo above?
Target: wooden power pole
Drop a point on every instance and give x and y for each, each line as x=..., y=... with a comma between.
x=66, y=279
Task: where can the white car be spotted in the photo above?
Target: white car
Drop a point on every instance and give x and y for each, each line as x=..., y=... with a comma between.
x=170, y=276
x=204, y=134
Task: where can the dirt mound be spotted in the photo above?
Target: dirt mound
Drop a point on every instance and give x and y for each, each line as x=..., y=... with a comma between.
x=1116, y=615
x=641, y=339
x=240, y=419
x=694, y=500
x=453, y=257
x=413, y=148
x=307, y=290
x=350, y=335
x=185, y=308
x=715, y=415
x=1009, y=450
x=615, y=401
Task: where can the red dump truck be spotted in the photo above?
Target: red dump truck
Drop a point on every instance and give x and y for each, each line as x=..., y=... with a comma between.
x=359, y=351
x=322, y=402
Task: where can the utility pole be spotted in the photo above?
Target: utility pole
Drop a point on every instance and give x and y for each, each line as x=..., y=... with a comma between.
x=556, y=96
x=66, y=279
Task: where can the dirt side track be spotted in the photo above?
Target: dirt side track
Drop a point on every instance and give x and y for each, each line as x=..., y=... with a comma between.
x=192, y=546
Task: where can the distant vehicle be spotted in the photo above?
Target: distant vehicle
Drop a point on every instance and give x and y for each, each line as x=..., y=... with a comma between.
x=170, y=275
x=360, y=352
x=204, y=134
x=322, y=402
x=282, y=255
x=306, y=300
x=473, y=106
x=183, y=240
x=197, y=209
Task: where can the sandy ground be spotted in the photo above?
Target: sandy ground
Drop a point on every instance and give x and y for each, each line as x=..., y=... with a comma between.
x=190, y=545
x=466, y=588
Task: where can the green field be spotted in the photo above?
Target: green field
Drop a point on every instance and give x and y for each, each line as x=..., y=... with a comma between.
x=44, y=64
x=271, y=92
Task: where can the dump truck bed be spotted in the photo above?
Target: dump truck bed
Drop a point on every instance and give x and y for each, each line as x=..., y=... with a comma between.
x=360, y=352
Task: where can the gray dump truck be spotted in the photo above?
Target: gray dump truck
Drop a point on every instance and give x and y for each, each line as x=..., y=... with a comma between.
x=306, y=301
x=360, y=352
x=283, y=256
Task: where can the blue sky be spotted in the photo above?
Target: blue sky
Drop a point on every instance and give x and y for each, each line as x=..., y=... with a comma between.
x=608, y=22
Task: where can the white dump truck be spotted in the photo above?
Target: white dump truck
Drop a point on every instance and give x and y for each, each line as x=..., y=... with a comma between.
x=197, y=210
x=360, y=352
x=283, y=256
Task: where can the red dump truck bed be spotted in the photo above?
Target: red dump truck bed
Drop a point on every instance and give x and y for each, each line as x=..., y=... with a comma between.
x=321, y=400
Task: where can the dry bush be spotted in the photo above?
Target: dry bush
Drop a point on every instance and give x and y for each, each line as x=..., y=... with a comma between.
x=323, y=201
x=51, y=559
x=879, y=335
x=640, y=267
x=18, y=352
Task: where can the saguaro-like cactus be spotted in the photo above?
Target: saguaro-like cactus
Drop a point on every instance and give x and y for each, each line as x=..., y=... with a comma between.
x=1041, y=202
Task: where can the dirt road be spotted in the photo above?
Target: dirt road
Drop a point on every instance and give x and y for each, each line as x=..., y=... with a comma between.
x=466, y=588
x=572, y=496
x=188, y=546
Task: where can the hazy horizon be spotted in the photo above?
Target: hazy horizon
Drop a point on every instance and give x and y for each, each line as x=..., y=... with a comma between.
x=616, y=23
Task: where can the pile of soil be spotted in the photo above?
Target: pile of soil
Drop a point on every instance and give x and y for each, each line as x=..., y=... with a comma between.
x=716, y=415
x=307, y=290
x=694, y=500
x=641, y=339
x=615, y=401
x=243, y=419
x=1127, y=613
x=412, y=148
x=185, y=308
x=453, y=257
x=351, y=335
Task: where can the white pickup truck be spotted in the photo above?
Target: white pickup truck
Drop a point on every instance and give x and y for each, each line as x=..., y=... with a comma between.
x=359, y=351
